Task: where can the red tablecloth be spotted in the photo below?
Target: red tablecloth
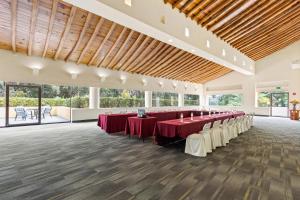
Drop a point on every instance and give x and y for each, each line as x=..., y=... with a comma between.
x=162, y=116
x=143, y=127
x=182, y=129
x=113, y=123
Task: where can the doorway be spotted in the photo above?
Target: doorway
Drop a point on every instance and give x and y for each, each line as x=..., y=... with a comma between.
x=23, y=105
x=280, y=104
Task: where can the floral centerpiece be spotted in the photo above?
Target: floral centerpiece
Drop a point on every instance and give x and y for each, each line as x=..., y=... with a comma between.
x=294, y=103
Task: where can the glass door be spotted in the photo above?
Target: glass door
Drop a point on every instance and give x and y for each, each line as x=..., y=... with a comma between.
x=280, y=104
x=23, y=105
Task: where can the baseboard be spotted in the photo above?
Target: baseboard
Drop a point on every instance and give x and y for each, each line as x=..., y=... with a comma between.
x=85, y=120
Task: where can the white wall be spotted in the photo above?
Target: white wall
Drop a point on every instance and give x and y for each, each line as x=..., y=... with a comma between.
x=17, y=67
x=271, y=71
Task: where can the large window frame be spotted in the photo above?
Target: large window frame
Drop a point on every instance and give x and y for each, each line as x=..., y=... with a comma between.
x=164, y=99
x=121, y=98
x=219, y=96
x=191, y=100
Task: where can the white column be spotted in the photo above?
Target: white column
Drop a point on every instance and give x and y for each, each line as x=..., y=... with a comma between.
x=94, y=98
x=148, y=99
x=180, y=100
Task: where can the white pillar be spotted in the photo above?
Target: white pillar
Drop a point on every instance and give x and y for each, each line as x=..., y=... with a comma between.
x=94, y=98
x=148, y=99
x=180, y=100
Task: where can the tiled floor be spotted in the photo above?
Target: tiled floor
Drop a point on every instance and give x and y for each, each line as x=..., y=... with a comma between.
x=78, y=161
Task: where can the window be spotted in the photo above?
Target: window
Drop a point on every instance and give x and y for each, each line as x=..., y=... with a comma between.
x=225, y=100
x=160, y=99
x=191, y=100
x=111, y=98
x=80, y=97
x=263, y=99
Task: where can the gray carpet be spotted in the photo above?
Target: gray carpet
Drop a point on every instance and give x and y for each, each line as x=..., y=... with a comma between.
x=78, y=161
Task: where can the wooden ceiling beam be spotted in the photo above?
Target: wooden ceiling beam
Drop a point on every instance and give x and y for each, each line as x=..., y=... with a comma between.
x=100, y=48
x=215, y=12
x=247, y=19
x=166, y=61
x=50, y=26
x=66, y=31
x=260, y=22
x=82, y=34
x=268, y=30
x=143, y=55
x=120, y=51
x=129, y=52
x=207, y=6
x=186, y=5
x=32, y=25
x=159, y=59
x=181, y=65
x=124, y=30
x=177, y=64
x=91, y=40
x=239, y=17
x=135, y=54
x=13, y=24
x=253, y=24
x=148, y=63
x=141, y=64
x=170, y=65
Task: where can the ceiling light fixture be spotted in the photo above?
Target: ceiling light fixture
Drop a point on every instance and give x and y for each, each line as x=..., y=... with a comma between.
x=127, y=2
x=74, y=76
x=207, y=43
x=123, y=79
x=234, y=58
x=144, y=81
x=223, y=52
x=186, y=32
x=35, y=71
x=170, y=40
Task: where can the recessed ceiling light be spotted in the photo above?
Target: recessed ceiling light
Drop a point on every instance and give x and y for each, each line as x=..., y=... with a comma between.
x=193, y=50
x=186, y=32
x=207, y=43
x=170, y=40
x=234, y=58
x=223, y=52
x=127, y=2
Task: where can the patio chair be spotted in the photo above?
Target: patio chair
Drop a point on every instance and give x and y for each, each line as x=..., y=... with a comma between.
x=20, y=112
x=46, y=111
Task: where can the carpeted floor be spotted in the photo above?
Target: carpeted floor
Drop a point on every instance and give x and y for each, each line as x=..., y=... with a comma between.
x=80, y=162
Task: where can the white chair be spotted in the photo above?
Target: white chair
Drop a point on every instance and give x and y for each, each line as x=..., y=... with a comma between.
x=248, y=121
x=230, y=127
x=206, y=131
x=251, y=119
x=239, y=125
x=235, y=128
x=216, y=134
x=195, y=145
x=224, y=132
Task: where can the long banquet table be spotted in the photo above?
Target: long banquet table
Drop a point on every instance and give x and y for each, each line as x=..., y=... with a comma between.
x=178, y=128
x=142, y=127
x=113, y=123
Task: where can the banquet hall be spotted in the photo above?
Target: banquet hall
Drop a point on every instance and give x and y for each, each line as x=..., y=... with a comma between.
x=139, y=99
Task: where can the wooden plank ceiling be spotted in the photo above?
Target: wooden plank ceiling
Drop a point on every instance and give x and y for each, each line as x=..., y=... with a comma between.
x=257, y=28
x=57, y=30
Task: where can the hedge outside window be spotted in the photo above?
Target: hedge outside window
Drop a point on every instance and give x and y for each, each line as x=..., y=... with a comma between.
x=160, y=99
x=263, y=99
x=191, y=100
x=112, y=98
x=225, y=100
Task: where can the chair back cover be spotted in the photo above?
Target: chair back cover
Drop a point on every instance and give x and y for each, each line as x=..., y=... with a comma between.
x=207, y=126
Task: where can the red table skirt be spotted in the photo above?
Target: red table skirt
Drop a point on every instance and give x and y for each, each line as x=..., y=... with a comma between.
x=142, y=127
x=113, y=123
x=177, y=128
